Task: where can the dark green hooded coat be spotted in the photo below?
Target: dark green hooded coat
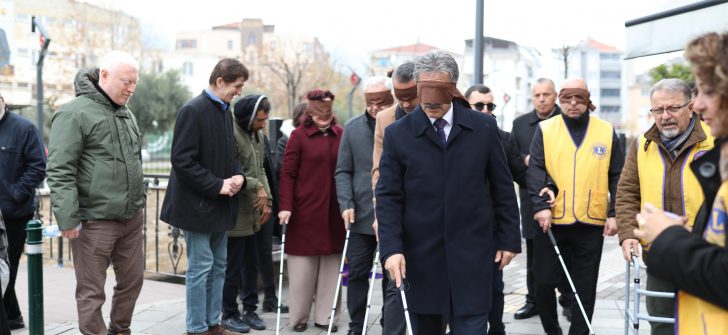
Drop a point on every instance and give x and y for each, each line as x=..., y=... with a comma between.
x=94, y=158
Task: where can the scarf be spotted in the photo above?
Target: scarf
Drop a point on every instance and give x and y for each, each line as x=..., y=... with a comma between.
x=673, y=145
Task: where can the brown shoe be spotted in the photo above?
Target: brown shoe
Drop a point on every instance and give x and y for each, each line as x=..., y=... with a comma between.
x=220, y=330
x=301, y=327
x=205, y=333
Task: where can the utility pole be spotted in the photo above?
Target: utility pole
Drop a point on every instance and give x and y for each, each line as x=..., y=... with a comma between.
x=45, y=40
x=478, y=44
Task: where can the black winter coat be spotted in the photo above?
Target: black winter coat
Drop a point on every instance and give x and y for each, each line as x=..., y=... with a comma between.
x=203, y=155
x=433, y=207
x=524, y=127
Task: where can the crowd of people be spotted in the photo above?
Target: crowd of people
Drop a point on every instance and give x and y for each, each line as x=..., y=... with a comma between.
x=424, y=178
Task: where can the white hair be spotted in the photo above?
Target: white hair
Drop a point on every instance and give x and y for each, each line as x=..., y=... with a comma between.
x=376, y=80
x=115, y=58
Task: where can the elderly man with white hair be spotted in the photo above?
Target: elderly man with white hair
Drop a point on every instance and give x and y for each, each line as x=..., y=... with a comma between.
x=354, y=191
x=95, y=176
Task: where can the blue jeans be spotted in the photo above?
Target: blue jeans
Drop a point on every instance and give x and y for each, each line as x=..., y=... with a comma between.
x=206, y=259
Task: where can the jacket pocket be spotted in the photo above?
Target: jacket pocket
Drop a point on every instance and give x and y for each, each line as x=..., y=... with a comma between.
x=596, y=207
x=10, y=161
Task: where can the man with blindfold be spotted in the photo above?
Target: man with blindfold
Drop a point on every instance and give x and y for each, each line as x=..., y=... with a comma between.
x=581, y=155
x=354, y=192
x=443, y=184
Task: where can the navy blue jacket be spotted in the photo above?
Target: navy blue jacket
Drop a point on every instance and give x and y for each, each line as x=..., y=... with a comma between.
x=433, y=206
x=22, y=165
x=203, y=155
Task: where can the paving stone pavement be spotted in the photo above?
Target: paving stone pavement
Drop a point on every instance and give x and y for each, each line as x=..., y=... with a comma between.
x=161, y=306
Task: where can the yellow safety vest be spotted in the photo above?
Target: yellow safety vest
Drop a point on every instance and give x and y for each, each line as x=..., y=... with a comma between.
x=652, y=174
x=695, y=315
x=581, y=173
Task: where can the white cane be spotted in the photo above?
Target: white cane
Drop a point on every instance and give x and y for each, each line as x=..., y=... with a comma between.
x=406, y=309
x=573, y=289
x=371, y=289
x=338, y=281
x=280, y=277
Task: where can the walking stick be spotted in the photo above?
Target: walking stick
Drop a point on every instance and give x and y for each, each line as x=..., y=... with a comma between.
x=371, y=289
x=406, y=310
x=573, y=289
x=338, y=281
x=280, y=277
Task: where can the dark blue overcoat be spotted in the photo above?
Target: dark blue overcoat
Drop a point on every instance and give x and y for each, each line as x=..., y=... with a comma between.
x=434, y=205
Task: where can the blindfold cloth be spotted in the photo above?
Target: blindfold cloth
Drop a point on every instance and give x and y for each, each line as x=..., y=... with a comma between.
x=317, y=106
x=381, y=98
x=406, y=94
x=439, y=92
x=580, y=95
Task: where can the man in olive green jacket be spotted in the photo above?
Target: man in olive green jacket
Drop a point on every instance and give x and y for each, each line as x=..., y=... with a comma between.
x=95, y=176
x=254, y=209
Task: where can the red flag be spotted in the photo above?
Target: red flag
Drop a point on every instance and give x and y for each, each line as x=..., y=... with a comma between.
x=354, y=78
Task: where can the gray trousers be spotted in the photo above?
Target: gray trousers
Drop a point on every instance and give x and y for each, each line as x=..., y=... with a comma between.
x=662, y=307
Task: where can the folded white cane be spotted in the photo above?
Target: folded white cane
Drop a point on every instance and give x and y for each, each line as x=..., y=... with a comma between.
x=573, y=289
x=371, y=289
x=338, y=281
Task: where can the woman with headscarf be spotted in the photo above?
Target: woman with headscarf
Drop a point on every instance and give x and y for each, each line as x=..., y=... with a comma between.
x=308, y=204
x=697, y=262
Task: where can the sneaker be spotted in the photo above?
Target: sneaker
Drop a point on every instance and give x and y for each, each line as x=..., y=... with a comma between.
x=232, y=324
x=253, y=320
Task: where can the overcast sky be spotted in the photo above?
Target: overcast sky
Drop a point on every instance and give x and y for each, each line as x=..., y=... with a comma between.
x=351, y=29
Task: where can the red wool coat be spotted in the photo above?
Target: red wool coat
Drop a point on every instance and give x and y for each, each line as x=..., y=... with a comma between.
x=308, y=190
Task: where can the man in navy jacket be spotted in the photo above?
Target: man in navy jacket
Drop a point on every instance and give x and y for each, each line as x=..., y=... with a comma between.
x=22, y=169
x=440, y=165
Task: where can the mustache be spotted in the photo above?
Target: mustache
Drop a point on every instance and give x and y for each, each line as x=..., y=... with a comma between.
x=670, y=123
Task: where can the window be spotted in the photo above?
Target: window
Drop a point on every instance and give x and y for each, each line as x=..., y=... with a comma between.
x=187, y=68
x=610, y=75
x=186, y=44
x=23, y=84
x=230, y=44
x=251, y=39
x=610, y=92
x=610, y=109
x=383, y=62
x=605, y=56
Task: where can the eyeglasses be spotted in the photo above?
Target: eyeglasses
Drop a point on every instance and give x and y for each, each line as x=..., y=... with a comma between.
x=480, y=105
x=670, y=109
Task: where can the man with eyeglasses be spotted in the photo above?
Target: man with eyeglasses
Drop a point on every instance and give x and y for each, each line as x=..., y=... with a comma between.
x=480, y=98
x=657, y=171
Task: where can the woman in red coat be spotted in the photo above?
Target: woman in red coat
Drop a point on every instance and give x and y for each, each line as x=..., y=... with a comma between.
x=315, y=233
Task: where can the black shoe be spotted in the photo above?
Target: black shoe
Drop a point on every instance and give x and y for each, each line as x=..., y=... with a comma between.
x=236, y=325
x=16, y=323
x=526, y=312
x=353, y=332
x=334, y=328
x=568, y=312
x=268, y=308
x=253, y=320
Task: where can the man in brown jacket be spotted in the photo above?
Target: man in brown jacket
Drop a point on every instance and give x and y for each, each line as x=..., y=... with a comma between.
x=657, y=171
x=405, y=90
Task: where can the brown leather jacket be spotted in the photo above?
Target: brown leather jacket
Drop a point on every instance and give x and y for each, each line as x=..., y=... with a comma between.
x=628, y=188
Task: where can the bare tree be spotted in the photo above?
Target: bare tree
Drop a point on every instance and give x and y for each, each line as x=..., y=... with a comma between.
x=564, y=54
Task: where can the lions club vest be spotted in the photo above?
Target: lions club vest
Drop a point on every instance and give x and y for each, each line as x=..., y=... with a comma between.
x=652, y=173
x=580, y=172
x=695, y=315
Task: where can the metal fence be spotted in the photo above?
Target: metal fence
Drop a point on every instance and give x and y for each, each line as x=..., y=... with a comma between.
x=163, y=244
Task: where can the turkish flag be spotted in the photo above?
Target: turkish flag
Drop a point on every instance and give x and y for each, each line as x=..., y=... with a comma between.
x=506, y=97
x=354, y=79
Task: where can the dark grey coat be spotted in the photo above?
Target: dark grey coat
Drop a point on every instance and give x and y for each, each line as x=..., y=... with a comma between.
x=354, y=173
